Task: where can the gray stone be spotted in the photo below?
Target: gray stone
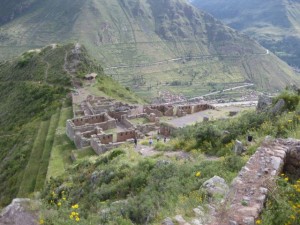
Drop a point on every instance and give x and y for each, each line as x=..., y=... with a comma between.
x=20, y=212
x=179, y=219
x=263, y=190
x=264, y=102
x=278, y=107
x=238, y=147
x=167, y=221
x=276, y=162
x=196, y=222
x=249, y=221
x=198, y=212
x=231, y=222
x=216, y=187
x=205, y=119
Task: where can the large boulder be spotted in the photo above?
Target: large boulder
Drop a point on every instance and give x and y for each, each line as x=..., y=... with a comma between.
x=264, y=103
x=20, y=212
x=238, y=148
x=216, y=187
x=278, y=107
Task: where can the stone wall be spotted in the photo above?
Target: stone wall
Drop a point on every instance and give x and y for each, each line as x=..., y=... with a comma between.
x=125, y=135
x=117, y=115
x=99, y=118
x=146, y=128
x=82, y=127
x=105, y=138
x=149, y=110
x=202, y=107
x=100, y=148
x=125, y=122
x=80, y=141
x=248, y=192
x=166, y=130
x=141, y=115
x=186, y=108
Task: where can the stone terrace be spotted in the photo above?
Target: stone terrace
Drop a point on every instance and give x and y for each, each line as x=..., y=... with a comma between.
x=248, y=191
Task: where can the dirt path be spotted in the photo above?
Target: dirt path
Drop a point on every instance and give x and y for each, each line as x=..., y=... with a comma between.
x=148, y=151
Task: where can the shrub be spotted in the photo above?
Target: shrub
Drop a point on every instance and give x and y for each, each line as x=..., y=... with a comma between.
x=291, y=100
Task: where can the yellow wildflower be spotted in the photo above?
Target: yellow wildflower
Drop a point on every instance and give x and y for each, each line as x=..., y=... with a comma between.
x=258, y=222
x=59, y=204
x=198, y=174
x=290, y=121
x=71, y=216
x=77, y=219
x=75, y=206
x=286, y=179
x=64, y=198
x=42, y=221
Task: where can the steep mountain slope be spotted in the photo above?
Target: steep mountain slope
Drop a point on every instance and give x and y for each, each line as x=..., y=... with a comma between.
x=150, y=45
x=274, y=23
x=33, y=111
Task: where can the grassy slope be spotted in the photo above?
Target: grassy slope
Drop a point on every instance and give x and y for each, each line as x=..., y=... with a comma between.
x=138, y=32
x=275, y=24
x=33, y=111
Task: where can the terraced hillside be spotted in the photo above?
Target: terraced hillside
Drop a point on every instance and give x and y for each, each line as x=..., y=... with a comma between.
x=33, y=110
x=150, y=45
x=274, y=23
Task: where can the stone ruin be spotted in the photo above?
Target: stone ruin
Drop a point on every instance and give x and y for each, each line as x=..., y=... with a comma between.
x=247, y=194
x=104, y=123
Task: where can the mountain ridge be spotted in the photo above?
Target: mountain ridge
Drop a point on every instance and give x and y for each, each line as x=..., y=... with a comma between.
x=274, y=24
x=132, y=32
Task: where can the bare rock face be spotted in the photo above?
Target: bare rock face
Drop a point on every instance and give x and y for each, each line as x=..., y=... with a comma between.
x=19, y=212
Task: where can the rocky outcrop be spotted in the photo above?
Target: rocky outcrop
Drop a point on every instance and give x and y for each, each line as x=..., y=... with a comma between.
x=19, y=212
x=264, y=102
x=216, y=187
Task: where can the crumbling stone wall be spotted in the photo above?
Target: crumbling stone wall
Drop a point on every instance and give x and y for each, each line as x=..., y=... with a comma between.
x=81, y=141
x=166, y=130
x=248, y=191
x=89, y=123
x=186, y=108
x=105, y=138
x=149, y=110
x=125, y=122
x=118, y=115
x=125, y=135
x=99, y=118
x=202, y=107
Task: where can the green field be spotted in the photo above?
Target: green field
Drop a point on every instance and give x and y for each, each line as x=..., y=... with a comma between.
x=62, y=146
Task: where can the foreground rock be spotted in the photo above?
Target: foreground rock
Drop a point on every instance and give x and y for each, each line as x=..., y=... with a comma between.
x=216, y=187
x=19, y=212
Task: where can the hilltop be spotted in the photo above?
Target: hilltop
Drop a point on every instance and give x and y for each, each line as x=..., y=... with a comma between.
x=148, y=48
x=275, y=24
x=34, y=106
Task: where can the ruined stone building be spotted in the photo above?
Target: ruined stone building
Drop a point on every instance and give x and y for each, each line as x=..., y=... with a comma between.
x=104, y=123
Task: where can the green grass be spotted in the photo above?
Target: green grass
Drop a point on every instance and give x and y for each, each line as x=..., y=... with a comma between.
x=41, y=177
x=30, y=176
x=83, y=153
x=62, y=146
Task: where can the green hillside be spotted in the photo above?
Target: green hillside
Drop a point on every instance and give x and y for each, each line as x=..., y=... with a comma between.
x=275, y=24
x=34, y=108
x=149, y=45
